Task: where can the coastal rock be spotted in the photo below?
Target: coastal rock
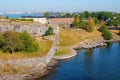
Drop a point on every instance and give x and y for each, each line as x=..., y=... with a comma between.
x=42, y=72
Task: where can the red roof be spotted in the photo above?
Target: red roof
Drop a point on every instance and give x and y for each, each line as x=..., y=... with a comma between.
x=61, y=20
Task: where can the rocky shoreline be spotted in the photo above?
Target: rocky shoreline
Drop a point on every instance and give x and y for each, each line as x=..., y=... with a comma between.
x=34, y=74
x=81, y=45
x=54, y=62
x=40, y=73
x=85, y=45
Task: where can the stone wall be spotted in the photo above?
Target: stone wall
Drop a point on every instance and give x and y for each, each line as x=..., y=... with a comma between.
x=34, y=29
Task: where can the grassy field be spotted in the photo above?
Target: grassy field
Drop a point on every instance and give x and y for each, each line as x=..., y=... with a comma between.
x=71, y=37
x=62, y=50
x=45, y=46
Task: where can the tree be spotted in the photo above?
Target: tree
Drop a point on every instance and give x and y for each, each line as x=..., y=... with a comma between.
x=113, y=22
x=106, y=33
x=96, y=21
x=104, y=15
x=29, y=44
x=87, y=14
x=75, y=14
x=82, y=24
x=90, y=24
x=68, y=15
x=49, y=31
x=94, y=14
x=82, y=15
x=47, y=14
x=10, y=42
x=76, y=22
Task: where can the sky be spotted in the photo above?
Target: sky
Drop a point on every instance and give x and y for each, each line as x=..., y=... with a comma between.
x=59, y=5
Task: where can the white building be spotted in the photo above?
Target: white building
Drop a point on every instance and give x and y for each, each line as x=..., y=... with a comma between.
x=41, y=20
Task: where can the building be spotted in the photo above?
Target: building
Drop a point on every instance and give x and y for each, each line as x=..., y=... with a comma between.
x=40, y=19
x=60, y=20
x=51, y=20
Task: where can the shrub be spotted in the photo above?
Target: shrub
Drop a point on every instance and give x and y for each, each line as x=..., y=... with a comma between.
x=10, y=42
x=30, y=45
x=106, y=33
x=13, y=42
x=49, y=31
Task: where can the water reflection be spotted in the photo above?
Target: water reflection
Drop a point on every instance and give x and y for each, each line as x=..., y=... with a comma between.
x=89, y=53
x=109, y=44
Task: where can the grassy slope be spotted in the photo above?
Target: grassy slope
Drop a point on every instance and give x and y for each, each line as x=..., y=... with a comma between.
x=70, y=37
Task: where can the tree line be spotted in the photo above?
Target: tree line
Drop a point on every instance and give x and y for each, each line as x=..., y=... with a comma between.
x=97, y=20
x=111, y=18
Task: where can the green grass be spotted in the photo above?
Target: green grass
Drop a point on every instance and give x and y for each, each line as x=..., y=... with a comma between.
x=62, y=51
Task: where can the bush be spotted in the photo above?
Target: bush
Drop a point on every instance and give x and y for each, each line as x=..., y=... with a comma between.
x=30, y=45
x=13, y=42
x=49, y=31
x=10, y=42
x=106, y=33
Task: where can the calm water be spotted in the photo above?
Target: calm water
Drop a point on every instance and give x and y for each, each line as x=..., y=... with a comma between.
x=19, y=15
x=96, y=64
